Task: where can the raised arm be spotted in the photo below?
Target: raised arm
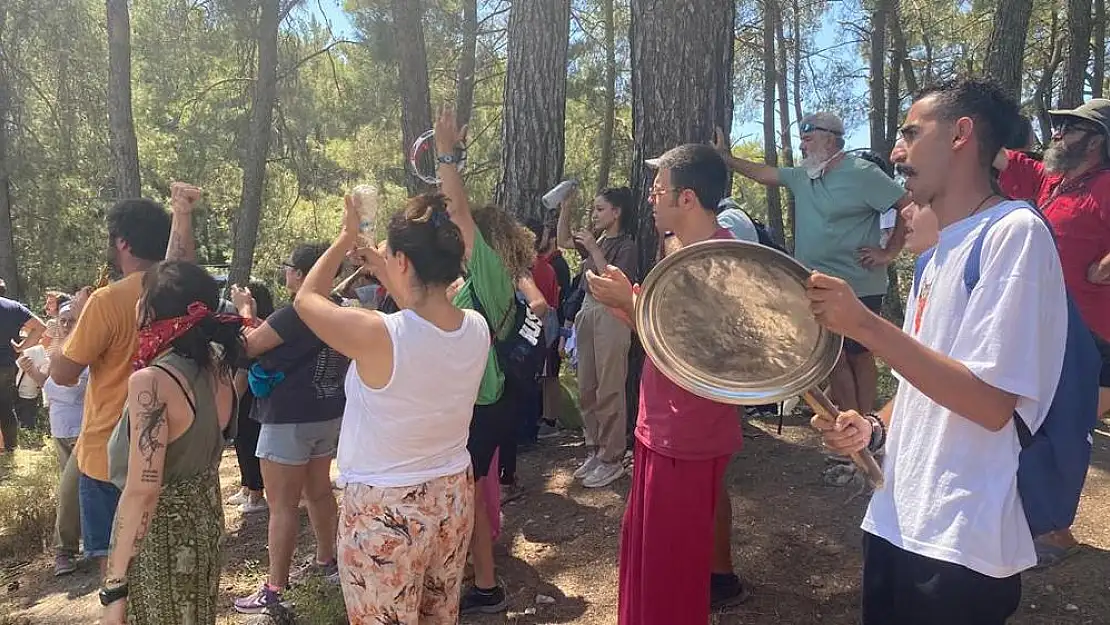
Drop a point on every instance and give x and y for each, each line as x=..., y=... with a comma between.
x=564, y=238
x=763, y=174
x=353, y=332
x=182, y=246
x=260, y=339
x=448, y=136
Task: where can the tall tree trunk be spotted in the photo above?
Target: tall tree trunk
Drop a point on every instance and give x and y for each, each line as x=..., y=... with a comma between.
x=121, y=125
x=796, y=84
x=257, y=143
x=681, y=88
x=1098, y=48
x=893, y=114
x=898, y=39
x=784, y=107
x=9, y=268
x=533, y=138
x=606, y=139
x=1079, y=52
x=877, y=81
x=1006, y=44
x=412, y=66
x=1042, y=95
x=770, y=149
x=464, y=98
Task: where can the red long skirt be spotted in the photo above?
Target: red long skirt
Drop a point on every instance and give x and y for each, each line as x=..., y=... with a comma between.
x=667, y=539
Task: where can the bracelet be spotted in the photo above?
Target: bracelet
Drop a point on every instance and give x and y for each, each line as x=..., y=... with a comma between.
x=878, y=433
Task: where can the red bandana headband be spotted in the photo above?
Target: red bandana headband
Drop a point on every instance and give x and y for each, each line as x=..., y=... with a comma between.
x=156, y=337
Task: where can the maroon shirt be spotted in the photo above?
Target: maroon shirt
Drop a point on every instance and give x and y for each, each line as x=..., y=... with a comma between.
x=676, y=423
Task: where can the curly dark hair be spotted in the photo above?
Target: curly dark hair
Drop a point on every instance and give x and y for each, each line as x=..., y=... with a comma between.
x=514, y=243
x=143, y=224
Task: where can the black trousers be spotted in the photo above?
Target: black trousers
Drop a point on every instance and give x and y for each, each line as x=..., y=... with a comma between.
x=246, y=444
x=9, y=425
x=903, y=588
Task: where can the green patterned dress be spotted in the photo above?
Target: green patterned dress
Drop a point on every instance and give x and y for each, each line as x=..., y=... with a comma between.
x=175, y=577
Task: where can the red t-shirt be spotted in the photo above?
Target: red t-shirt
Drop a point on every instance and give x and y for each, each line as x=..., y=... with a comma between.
x=676, y=423
x=543, y=274
x=1079, y=213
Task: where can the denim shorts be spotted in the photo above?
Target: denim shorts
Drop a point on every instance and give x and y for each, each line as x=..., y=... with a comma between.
x=296, y=443
x=98, y=511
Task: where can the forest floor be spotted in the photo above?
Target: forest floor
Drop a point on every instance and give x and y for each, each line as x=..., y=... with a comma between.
x=796, y=539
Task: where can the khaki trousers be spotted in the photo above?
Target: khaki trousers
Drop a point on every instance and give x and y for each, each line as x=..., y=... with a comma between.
x=603, y=343
x=67, y=525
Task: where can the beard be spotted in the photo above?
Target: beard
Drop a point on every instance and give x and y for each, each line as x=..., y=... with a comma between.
x=1061, y=157
x=814, y=162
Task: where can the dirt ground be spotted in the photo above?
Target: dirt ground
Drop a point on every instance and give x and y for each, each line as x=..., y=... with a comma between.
x=795, y=538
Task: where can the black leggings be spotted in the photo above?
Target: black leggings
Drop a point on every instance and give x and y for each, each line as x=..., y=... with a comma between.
x=246, y=444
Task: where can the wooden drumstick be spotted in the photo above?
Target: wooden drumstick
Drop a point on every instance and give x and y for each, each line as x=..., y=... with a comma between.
x=863, y=458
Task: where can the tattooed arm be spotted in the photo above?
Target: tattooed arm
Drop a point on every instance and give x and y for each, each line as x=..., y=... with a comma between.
x=149, y=437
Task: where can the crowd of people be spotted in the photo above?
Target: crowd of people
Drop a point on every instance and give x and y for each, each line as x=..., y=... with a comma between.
x=422, y=379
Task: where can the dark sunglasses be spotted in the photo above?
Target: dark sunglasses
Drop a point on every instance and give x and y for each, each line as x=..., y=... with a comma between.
x=809, y=127
x=1065, y=127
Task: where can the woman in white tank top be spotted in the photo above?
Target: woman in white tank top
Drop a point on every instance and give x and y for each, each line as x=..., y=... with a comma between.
x=408, y=506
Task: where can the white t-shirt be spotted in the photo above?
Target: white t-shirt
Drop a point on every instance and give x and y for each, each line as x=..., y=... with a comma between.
x=28, y=388
x=415, y=428
x=951, y=485
x=67, y=403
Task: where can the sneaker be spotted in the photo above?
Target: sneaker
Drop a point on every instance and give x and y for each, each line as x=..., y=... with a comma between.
x=238, y=499
x=727, y=590
x=587, y=467
x=312, y=568
x=604, y=475
x=259, y=601
x=64, y=564
x=478, y=601
x=250, y=507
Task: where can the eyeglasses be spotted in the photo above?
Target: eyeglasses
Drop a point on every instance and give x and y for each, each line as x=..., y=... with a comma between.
x=656, y=192
x=810, y=127
x=285, y=265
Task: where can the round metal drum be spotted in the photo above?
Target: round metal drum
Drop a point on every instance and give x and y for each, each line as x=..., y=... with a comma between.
x=730, y=321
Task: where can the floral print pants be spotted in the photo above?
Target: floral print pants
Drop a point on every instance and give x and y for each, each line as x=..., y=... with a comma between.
x=402, y=550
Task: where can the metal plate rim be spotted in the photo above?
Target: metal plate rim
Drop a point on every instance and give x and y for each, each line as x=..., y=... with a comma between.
x=824, y=358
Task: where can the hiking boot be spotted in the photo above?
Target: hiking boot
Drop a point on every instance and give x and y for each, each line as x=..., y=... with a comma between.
x=478, y=601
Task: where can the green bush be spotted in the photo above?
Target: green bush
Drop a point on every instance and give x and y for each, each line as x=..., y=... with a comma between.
x=28, y=479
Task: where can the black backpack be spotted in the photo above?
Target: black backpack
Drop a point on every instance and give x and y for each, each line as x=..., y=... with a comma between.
x=522, y=355
x=764, y=233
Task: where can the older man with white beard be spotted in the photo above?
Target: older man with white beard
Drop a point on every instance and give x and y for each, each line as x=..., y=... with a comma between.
x=838, y=201
x=1072, y=189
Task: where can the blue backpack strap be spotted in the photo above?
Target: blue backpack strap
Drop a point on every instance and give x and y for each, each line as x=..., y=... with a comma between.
x=919, y=266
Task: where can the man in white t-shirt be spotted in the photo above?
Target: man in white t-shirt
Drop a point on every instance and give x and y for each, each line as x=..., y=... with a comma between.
x=946, y=537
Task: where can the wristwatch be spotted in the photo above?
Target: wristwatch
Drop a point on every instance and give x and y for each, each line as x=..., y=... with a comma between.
x=447, y=159
x=112, y=591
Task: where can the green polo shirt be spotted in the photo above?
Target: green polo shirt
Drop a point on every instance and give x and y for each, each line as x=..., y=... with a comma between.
x=837, y=214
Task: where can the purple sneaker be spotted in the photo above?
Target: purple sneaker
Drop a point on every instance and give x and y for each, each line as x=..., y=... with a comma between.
x=259, y=601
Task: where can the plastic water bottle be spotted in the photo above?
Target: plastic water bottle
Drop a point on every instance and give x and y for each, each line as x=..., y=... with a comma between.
x=554, y=197
x=366, y=201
